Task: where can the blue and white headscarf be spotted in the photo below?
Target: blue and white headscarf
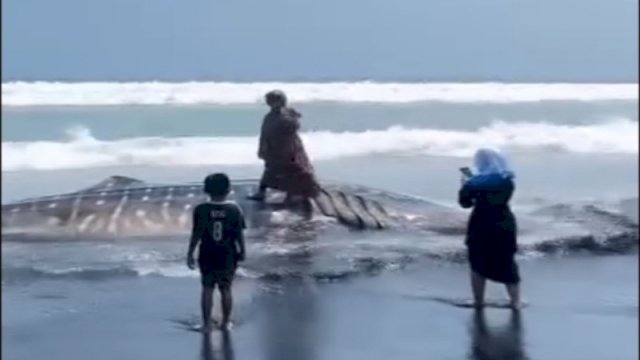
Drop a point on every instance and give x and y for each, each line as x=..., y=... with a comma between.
x=490, y=166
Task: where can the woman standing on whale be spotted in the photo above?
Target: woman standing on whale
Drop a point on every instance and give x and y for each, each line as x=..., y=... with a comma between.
x=492, y=229
x=287, y=166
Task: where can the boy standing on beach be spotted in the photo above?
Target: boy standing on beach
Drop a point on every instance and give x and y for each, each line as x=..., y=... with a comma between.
x=218, y=227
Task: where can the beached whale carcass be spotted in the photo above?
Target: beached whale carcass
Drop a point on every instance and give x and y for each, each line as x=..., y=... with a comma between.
x=121, y=206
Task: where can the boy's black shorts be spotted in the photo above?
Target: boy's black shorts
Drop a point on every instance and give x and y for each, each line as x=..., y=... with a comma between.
x=214, y=273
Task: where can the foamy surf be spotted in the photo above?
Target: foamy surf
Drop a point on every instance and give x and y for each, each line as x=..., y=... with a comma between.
x=20, y=94
x=83, y=150
x=357, y=261
x=546, y=231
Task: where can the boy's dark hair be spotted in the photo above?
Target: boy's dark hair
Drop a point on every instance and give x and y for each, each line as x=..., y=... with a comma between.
x=217, y=184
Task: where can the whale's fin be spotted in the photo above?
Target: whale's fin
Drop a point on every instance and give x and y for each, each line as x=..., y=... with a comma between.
x=114, y=182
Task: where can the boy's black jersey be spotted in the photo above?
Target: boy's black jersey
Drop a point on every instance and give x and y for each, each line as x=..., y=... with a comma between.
x=218, y=226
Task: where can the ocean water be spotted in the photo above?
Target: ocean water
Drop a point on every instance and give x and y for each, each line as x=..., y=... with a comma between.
x=574, y=148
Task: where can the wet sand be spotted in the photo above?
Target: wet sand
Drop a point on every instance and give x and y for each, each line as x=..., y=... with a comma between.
x=579, y=308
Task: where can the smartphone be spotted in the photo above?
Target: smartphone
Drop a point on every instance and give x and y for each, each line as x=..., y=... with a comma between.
x=466, y=171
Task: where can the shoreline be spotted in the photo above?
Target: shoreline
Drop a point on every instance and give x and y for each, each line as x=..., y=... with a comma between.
x=579, y=307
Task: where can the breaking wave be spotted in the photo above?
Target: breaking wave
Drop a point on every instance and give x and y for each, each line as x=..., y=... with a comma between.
x=83, y=150
x=191, y=93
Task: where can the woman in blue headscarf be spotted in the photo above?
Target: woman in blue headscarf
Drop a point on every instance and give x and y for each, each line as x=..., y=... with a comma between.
x=491, y=233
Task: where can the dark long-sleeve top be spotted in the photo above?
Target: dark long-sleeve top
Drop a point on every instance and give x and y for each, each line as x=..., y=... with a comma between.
x=491, y=222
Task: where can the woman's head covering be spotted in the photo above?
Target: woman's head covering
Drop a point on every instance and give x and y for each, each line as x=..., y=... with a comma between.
x=276, y=96
x=489, y=161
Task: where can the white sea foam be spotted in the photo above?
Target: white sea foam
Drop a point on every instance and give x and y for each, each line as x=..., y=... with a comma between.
x=83, y=150
x=178, y=270
x=186, y=93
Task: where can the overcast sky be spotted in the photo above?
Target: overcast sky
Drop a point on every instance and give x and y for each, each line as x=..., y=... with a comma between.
x=252, y=40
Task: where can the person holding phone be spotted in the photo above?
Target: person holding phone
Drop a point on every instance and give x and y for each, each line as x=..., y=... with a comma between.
x=492, y=229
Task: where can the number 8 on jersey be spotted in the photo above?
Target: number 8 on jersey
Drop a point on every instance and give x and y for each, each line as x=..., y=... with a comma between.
x=217, y=231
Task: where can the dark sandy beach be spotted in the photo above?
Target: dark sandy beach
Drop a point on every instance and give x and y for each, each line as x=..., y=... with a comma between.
x=580, y=308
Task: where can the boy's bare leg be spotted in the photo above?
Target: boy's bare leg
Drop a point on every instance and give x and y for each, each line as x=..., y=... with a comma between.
x=227, y=305
x=477, y=285
x=514, y=295
x=206, y=303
